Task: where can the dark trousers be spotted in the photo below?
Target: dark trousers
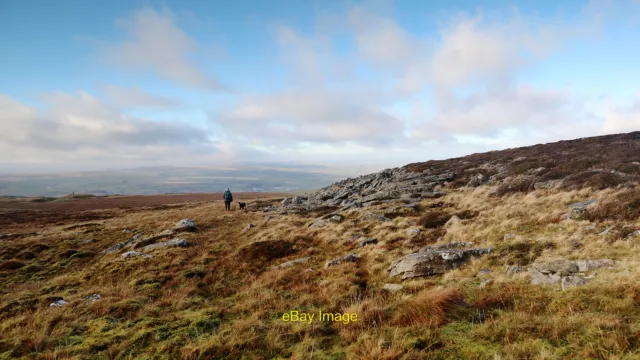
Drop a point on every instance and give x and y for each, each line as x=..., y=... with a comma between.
x=227, y=205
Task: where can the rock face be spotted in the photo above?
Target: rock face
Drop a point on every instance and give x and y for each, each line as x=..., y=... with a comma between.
x=432, y=261
x=185, y=225
x=389, y=184
x=347, y=258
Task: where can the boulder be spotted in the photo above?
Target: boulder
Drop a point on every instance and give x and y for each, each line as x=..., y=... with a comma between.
x=353, y=257
x=538, y=278
x=578, y=209
x=170, y=243
x=428, y=262
x=586, y=265
x=185, y=225
x=560, y=267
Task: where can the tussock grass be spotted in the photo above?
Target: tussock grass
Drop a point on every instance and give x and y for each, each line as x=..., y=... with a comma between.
x=220, y=299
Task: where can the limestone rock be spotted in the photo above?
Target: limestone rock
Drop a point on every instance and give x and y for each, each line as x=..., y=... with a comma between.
x=432, y=262
x=347, y=258
x=185, y=225
x=170, y=243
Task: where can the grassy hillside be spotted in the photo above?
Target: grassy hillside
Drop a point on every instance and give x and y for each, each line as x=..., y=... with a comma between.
x=221, y=298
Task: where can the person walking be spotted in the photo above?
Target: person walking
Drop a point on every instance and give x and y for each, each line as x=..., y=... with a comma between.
x=228, y=198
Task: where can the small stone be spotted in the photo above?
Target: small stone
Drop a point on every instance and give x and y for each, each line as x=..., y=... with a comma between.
x=58, y=303
x=113, y=248
x=392, y=287
x=413, y=231
x=92, y=298
x=453, y=221
x=248, y=227
x=509, y=236
x=514, y=269
x=336, y=218
x=134, y=253
x=347, y=258
x=485, y=283
x=293, y=262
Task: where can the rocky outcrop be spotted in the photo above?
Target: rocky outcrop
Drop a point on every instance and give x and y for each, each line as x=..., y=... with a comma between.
x=386, y=185
x=569, y=273
x=431, y=261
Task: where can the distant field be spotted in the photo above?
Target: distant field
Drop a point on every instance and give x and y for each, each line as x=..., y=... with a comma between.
x=132, y=201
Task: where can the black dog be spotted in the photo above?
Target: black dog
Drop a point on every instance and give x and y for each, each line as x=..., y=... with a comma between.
x=242, y=205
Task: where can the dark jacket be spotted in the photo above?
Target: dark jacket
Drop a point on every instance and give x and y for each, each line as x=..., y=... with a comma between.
x=227, y=196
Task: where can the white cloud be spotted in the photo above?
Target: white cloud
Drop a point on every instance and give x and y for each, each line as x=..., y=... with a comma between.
x=154, y=42
x=82, y=128
x=125, y=97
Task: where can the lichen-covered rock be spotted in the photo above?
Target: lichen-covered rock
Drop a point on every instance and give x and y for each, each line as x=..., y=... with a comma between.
x=430, y=262
x=538, y=278
x=347, y=258
x=560, y=267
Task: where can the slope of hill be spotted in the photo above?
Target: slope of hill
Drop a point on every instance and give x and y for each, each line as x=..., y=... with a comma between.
x=445, y=265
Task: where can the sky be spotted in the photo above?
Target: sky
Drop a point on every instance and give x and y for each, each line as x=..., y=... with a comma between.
x=98, y=85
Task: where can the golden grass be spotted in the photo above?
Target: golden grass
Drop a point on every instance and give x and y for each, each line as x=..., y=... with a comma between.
x=217, y=299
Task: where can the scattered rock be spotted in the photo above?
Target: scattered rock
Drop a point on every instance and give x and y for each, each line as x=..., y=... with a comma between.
x=586, y=265
x=347, y=258
x=578, y=209
x=185, y=225
x=171, y=243
x=133, y=253
x=392, y=287
x=292, y=263
x=453, y=221
x=336, y=218
x=429, y=261
x=248, y=227
x=375, y=217
x=572, y=281
x=413, y=231
x=560, y=267
x=451, y=245
x=113, y=248
x=58, y=303
x=366, y=242
x=92, y=298
x=514, y=269
x=538, y=278
x=476, y=180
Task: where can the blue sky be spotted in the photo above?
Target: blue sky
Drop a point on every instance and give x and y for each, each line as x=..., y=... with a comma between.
x=118, y=84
